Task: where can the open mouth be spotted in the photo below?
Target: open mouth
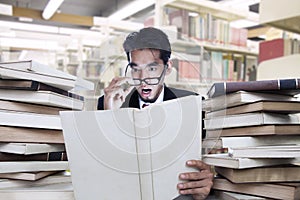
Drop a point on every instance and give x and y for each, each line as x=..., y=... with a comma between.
x=146, y=91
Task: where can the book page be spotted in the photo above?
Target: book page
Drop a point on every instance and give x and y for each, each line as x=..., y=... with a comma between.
x=130, y=153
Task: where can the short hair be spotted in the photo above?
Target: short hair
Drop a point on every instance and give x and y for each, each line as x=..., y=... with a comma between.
x=148, y=38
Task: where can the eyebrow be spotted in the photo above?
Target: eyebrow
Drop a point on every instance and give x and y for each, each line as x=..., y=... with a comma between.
x=148, y=64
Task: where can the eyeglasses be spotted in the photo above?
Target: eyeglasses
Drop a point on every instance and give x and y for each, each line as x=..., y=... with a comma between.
x=152, y=71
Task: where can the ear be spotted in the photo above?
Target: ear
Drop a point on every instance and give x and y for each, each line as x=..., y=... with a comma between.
x=169, y=69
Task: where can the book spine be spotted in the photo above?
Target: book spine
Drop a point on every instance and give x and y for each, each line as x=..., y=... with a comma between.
x=219, y=89
x=52, y=156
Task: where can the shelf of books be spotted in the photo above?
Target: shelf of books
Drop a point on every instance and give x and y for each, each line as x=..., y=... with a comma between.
x=280, y=55
x=219, y=51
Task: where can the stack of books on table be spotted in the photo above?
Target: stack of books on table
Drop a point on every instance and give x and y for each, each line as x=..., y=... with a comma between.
x=258, y=123
x=32, y=149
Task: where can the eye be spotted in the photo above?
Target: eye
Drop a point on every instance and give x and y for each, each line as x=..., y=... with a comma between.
x=134, y=69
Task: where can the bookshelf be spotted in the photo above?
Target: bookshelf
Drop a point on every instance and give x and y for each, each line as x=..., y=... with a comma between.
x=203, y=30
x=286, y=19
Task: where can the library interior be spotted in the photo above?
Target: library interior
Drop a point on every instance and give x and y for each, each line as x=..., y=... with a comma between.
x=58, y=58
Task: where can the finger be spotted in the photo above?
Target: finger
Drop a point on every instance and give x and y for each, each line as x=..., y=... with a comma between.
x=198, y=164
x=198, y=193
x=203, y=174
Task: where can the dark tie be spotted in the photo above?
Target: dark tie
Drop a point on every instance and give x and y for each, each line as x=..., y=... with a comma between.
x=145, y=105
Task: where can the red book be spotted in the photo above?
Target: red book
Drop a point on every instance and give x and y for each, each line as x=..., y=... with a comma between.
x=271, y=49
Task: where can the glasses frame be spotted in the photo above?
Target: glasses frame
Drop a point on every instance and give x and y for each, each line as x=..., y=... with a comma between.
x=145, y=80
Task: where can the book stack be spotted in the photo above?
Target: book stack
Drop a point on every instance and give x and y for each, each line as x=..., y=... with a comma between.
x=258, y=123
x=31, y=140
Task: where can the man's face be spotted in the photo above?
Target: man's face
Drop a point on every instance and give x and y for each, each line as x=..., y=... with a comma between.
x=147, y=64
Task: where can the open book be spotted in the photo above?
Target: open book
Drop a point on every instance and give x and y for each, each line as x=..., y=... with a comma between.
x=140, y=153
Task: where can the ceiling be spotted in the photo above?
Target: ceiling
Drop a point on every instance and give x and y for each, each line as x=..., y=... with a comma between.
x=101, y=8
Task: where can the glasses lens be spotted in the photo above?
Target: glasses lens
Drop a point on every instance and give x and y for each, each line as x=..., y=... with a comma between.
x=150, y=73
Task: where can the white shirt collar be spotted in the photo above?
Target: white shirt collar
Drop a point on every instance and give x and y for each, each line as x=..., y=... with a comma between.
x=158, y=100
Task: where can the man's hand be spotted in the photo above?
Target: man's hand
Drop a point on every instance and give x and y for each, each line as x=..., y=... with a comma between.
x=116, y=92
x=198, y=184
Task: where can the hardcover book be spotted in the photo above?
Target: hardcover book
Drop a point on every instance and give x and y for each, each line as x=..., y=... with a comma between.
x=20, y=84
x=30, y=107
x=29, y=120
x=242, y=97
x=141, y=151
x=30, y=135
x=283, y=173
x=42, y=98
x=285, y=86
x=224, y=160
x=267, y=106
x=286, y=191
x=261, y=130
x=250, y=119
x=30, y=166
x=267, y=151
x=33, y=70
x=29, y=176
x=30, y=148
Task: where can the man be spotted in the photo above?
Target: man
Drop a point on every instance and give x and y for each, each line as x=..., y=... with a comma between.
x=148, y=52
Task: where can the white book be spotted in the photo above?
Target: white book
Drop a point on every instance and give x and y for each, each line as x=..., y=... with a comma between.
x=29, y=166
x=224, y=160
x=29, y=120
x=141, y=152
x=271, y=151
x=30, y=148
x=61, y=191
x=240, y=98
x=43, y=98
x=250, y=119
x=53, y=179
x=33, y=70
x=249, y=141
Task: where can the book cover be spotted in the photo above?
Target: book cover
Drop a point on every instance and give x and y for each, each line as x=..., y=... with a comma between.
x=224, y=160
x=285, y=173
x=42, y=98
x=284, y=191
x=30, y=135
x=141, y=151
x=62, y=191
x=236, y=196
x=29, y=176
x=262, y=130
x=275, y=48
x=29, y=166
x=29, y=120
x=51, y=156
x=250, y=119
x=282, y=107
x=20, y=84
x=286, y=86
x=30, y=107
x=57, y=178
x=30, y=148
x=243, y=97
x=267, y=151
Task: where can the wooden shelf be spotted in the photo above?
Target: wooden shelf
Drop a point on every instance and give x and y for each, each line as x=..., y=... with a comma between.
x=203, y=6
x=282, y=14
